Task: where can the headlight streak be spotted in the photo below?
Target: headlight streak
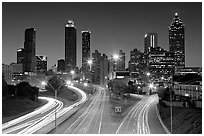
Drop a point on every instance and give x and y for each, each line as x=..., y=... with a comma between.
x=48, y=119
x=140, y=113
x=29, y=115
x=37, y=123
x=84, y=113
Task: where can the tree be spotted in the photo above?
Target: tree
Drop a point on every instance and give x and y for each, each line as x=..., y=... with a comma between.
x=23, y=90
x=55, y=83
x=5, y=89
x=164, y=93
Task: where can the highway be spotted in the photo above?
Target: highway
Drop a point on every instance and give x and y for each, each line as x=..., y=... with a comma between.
x=95, y=117
x=87, y=121
x=90, y=116
x=137, y=120
x=40, y=120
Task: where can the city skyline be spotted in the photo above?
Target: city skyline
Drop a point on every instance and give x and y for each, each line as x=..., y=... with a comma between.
x=121, y=26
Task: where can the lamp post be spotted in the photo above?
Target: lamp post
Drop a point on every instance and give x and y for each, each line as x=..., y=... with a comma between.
x=45, y=83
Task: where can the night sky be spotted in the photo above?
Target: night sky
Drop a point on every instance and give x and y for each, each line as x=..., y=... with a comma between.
x=113, y=26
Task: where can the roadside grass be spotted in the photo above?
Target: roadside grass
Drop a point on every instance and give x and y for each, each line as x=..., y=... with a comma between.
x=185, y=120
x=89, y=89
x=64, y=93
x=14, y=108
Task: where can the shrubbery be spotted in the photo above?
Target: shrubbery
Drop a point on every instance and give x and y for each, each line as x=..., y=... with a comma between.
x=55, y=83
x=21, y=90
x=164, y=93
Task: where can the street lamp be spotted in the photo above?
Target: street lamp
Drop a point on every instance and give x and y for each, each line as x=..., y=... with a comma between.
x=72, y=73
x=46, y=83
x=85, y=84
x=90, y=62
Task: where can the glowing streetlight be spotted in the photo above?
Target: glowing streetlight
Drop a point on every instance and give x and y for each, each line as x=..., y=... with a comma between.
x=68, y=82
x=90, y=62
x=72, y=73
x=85, y=84
x=151, y=86
x=115, y=56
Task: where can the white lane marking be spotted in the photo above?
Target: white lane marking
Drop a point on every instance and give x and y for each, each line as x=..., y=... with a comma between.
x=100, y=125
x=83, y=114
x=130, y=112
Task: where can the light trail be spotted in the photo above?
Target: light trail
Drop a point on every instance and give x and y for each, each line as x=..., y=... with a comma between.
x=32, y=125
x=50, y=118
x=136, y=120
x=90, y=121
x=51, y=103
x=82, y=115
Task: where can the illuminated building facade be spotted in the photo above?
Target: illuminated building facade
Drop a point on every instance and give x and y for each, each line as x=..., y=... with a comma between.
x=20, y=52
x=150, y=40
x=70, y=46
x=85, y=51
x=161, y=62
x=177, y=42
x=136, y=62
x=96, y=56
x=41, y=65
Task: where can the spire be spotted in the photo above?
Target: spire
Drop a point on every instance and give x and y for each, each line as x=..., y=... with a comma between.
x=70, y=23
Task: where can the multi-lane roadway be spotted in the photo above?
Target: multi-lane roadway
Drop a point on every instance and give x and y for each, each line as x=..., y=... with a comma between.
x=43, y=119
x=90, y=116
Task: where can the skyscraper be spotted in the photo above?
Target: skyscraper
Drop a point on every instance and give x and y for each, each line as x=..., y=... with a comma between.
x=70, y=46
x=20, y=52
x=136, y=62
x=161, y=62
x=29, y=59
x=41, y=66
x=61, y=65
x=103, y=69
x=85, y=50
x=120, y=64
x=150, y=40
x=177, y=42
x=96, y=56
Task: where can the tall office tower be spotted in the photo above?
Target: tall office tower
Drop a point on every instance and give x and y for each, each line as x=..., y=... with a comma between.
x=85, y=51
x=41, y=66
x=20, y=52
x=136, y=63
x=103, y=70
x=29, y=59
x=120, y=64
x=161, y=62
x=177, y=42
x=150, y=40
x=96, y=56
x=61, y=65
x=70, y=46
